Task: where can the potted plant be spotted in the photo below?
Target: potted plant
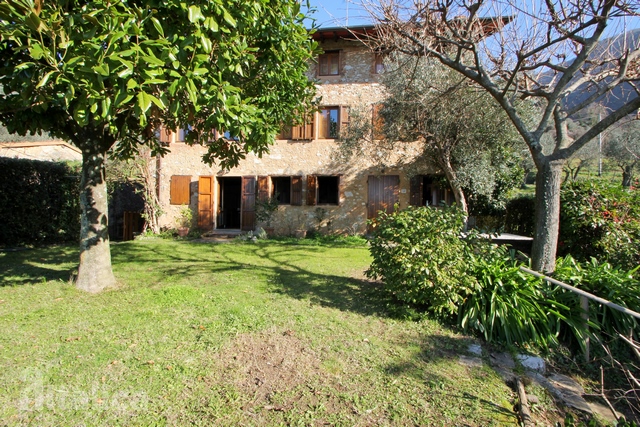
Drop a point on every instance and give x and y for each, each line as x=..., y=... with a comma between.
x=264, y=212
x=184, y=220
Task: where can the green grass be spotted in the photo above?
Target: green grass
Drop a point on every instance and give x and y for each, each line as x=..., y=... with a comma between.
x=235, y=334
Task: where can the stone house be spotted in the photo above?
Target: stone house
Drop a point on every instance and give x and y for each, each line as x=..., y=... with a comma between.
x=315, y=185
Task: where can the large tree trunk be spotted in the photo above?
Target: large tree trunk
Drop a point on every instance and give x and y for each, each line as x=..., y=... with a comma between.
x=547, y=215
x=94, y=273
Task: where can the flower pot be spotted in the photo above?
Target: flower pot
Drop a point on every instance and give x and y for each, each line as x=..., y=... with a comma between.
x=301, y=234
x=183, y=231
x=270, y=231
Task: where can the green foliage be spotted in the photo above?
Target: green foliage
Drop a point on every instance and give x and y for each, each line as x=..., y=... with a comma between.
x=600, y=221
x=419, y=255
x=519, y=218
x=606, y=281
x=185, y=217
x=510, y=306
x=38, y=202
x=103, y=71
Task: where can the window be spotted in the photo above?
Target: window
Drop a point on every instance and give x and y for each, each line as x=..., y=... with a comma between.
x=430, y=190
x=328, y=190
x=323, y=190
x=180, y=192
x=378, y=64
x=281, y=189
x=181, y=135
x=328, y=123
x=329, y=63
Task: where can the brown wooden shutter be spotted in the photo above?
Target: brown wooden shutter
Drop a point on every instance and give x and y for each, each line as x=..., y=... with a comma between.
x=180, y=192
x=344, y=118
x=296, y=191
x=205, y=202
x=415, y=191
x=263, y=188
x=248, y=203
x=312, y=184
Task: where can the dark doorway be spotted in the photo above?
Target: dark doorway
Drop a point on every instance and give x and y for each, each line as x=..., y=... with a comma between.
x=229, y=202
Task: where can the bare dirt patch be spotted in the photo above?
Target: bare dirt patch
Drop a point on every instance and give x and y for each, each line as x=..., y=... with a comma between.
x=269, y=363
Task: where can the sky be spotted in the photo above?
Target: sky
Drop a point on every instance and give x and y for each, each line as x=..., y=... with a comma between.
x=338, y=13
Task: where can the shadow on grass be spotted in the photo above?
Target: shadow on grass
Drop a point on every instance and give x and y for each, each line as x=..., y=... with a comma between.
x=31, y=266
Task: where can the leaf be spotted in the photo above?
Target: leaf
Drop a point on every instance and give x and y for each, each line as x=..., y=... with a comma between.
x=195, y=14
x=91, y=19
x=157, y=25
x=132, y=84
x=144, y=101
x=158, y=102
x=45, y=79
x=152, y=60
x=33, y=22
x=36, y=51
x=102, y=69
x=229, y=19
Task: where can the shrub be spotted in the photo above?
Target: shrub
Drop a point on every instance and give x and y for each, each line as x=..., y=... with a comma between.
x=509, y=306
x=606, y=281
x=419, y=255
x=519, y=218
x=602, y=222
x=39, y=202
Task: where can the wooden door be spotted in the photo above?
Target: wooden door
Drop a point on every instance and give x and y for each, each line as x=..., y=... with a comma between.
x=384, y=192
x=248, y=203
x=205, y=202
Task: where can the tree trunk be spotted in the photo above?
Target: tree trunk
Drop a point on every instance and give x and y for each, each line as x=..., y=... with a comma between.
x=94, y=272
x=458, y=194
x=547, y=215
x=627, y=176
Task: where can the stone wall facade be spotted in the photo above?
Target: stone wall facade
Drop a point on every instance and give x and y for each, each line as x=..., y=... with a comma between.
x=357, y=86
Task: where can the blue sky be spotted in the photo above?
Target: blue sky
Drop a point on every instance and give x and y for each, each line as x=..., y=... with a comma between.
x=338, y=13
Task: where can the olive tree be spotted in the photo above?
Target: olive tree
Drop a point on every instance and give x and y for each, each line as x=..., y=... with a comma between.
x=623, y=147
x=106, y=74
x=462, y=131
x=540, y=51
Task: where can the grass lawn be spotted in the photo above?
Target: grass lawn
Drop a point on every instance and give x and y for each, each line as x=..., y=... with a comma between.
x=228, y=334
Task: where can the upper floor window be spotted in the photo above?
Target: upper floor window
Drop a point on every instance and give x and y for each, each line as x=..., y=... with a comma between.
x=378, y=64
x=329, y=63
x=329, y=123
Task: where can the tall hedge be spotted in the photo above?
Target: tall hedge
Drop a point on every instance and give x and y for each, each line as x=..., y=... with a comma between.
x=39, y=202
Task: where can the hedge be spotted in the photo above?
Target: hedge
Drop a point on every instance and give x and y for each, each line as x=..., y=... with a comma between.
x=39, y=202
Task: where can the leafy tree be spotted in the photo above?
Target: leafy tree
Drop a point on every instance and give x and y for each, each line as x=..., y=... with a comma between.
x=106, y=74
x=463, y=132
x=541, y=51
x=623, y=147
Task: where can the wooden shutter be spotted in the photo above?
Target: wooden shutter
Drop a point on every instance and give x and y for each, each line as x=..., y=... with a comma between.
x=180, y=192
x=296, y=191
x=415, y=190
x=344, y=119
x=312, y=184
x=248, y=203
x=205, y=202
x=263, y=188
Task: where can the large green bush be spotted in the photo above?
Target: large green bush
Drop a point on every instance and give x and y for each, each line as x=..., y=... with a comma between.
x=39, y=202
x=420, y=257
x=600, y=221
